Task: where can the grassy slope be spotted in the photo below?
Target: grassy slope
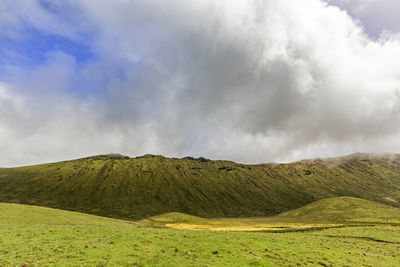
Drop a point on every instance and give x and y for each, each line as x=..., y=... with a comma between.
x=344, y=209
x=174, y=217
x=135, y=188
x=322, y=214
x=36, y=236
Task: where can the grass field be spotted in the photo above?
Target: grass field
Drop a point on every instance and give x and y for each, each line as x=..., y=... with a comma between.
x=344, y=209
x=323, y=214
x=312, y=223
x=36, y=236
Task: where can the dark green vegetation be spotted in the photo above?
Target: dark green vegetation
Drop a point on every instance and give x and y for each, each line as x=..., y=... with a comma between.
x=36, y=236
x=134, y=188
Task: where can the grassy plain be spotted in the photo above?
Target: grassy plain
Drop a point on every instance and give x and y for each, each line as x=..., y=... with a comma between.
x=37, y=236
x=334, y=231
x=327, y=213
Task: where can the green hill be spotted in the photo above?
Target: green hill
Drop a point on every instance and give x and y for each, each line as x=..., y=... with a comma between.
x=344, y=209
x=135, y=188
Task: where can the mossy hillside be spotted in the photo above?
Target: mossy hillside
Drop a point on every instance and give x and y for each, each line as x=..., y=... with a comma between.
x=123, y=187
x=344, y=209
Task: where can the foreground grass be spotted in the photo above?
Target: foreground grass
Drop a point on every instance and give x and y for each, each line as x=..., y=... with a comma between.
x=40, y=236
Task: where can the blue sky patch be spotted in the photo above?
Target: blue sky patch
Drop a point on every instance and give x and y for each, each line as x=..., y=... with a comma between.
x=36, y=46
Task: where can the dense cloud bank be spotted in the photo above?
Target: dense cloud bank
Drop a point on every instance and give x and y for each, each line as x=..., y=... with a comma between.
x=250, y=81
x=377, y=16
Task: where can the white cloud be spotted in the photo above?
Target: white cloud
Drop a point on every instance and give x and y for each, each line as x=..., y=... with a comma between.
x=252, y=81
x=377, y=16
x=15, y=15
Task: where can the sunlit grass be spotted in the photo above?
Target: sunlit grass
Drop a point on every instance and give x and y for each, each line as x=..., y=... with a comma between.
x=39, y=236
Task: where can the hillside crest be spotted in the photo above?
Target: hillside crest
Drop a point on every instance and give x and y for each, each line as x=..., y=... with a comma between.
x=133, y=188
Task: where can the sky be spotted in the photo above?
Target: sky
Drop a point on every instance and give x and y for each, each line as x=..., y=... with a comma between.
x=251, y=81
